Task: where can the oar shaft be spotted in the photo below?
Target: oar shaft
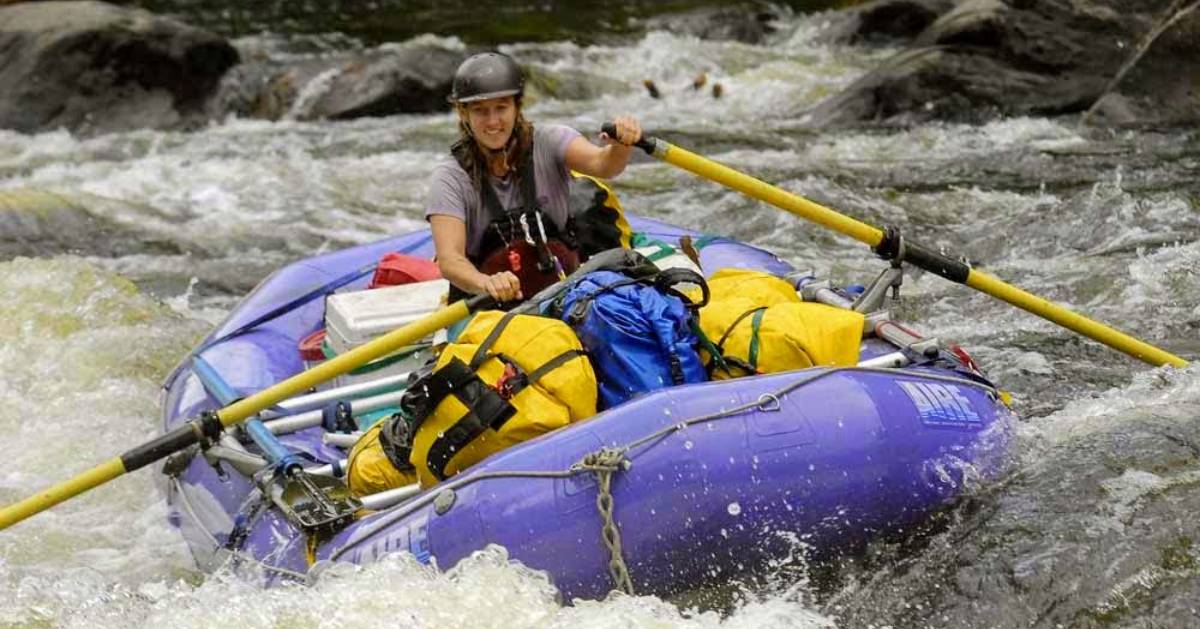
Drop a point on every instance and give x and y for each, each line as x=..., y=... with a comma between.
x=209, y=425
x=343, y=363
x=767, y=193
x=47, y=498
x=925, y=258
x=1115, y=339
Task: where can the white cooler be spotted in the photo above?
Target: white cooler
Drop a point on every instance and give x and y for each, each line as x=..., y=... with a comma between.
x=355, y=318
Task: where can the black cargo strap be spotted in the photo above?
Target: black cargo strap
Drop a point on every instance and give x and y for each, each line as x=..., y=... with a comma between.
x=663, y=280
x=485, y=348
x=487, y=407
x=668, y=278
x=734, y=360
x=395, y=439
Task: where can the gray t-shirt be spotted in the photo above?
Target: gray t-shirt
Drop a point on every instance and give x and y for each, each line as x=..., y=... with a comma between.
x=452, y=194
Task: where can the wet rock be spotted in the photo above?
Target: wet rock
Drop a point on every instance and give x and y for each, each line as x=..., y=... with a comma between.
x=381, y=82
x=884, y=21
x=541, y=82
x=406, y=81
x=1162, y=84
x=40, y=223
x=94, y=67
x=989, y=58
x=749, y=25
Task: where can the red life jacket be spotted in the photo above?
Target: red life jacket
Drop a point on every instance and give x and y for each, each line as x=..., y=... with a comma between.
x=523, y=240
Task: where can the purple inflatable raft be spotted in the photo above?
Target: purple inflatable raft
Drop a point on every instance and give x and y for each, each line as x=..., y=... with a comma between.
x=697, y=484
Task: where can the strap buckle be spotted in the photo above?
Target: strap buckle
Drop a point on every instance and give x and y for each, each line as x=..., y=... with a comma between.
x=510, y=382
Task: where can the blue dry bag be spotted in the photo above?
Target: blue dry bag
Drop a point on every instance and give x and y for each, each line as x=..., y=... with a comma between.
x=637, y=331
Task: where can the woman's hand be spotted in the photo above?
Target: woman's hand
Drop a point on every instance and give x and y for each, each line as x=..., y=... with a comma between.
x=609, y=161
x=503, y=286
x=629, y=131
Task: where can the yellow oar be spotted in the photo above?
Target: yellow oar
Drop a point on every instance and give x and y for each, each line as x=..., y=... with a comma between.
x=210, y=425
x=889, y=245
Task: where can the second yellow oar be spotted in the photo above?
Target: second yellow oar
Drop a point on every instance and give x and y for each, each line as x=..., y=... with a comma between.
x=210, y=425
x=890, y=245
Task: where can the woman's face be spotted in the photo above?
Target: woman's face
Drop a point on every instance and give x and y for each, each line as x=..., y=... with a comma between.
x=492, y=120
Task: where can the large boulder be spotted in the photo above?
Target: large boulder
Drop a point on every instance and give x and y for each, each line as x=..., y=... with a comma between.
x=883, y=21
x=988, y=58
x=94, y=67
x=749, y=24
x=413, y=78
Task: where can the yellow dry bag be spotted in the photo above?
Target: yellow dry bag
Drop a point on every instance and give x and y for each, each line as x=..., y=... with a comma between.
x=758, y=324
x=508, y=378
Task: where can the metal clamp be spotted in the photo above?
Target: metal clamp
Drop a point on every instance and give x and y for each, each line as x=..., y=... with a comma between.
x=872, y=298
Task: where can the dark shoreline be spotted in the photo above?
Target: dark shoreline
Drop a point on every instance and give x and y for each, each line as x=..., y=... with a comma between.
x=376, y=22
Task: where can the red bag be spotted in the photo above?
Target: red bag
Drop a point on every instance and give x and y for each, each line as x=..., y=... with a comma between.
x=396, y=268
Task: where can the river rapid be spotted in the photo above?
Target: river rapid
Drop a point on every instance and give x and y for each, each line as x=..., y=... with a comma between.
x=156, y=235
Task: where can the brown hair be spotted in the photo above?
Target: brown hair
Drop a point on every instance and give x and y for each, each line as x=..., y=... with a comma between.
x=474, y=160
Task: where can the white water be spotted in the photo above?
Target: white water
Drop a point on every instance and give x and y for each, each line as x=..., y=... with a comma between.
x=84, y=348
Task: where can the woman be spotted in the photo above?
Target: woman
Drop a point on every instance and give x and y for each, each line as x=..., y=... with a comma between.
x=498, y=210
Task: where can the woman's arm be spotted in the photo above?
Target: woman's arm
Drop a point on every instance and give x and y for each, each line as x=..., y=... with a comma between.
x=609, y=161
x=450, y=242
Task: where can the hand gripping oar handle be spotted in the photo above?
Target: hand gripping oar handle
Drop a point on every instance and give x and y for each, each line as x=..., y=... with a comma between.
x=210, y=425
x=644, y=143
x=890, y=245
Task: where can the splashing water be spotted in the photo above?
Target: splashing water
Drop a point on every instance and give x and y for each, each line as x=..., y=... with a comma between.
x=1105, y=223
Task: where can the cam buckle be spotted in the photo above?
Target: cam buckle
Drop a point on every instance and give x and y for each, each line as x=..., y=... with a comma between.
x=507, y=385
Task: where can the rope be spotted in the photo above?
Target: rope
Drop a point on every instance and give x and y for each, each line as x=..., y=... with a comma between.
x=603, y=463
x=767, y=402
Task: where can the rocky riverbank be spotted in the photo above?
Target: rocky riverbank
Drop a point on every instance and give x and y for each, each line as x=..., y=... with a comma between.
x=93, y=67
x=1119, y=61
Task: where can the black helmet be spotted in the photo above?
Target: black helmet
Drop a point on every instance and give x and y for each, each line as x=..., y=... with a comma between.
x=487, y=75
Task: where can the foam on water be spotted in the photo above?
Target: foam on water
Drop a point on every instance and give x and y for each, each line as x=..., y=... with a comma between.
x=83, y=349
x=946, y=143
x=485, y=590
x=761, y=84
x=82, y=354
x=1156, y=391
x=285, y=186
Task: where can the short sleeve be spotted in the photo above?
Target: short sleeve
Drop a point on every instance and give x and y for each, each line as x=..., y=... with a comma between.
x=447, y=195
x=560, y=136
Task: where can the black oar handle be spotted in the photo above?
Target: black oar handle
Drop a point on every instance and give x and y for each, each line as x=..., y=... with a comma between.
x=644, y=143
x=206, y=427
x=480, y=302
